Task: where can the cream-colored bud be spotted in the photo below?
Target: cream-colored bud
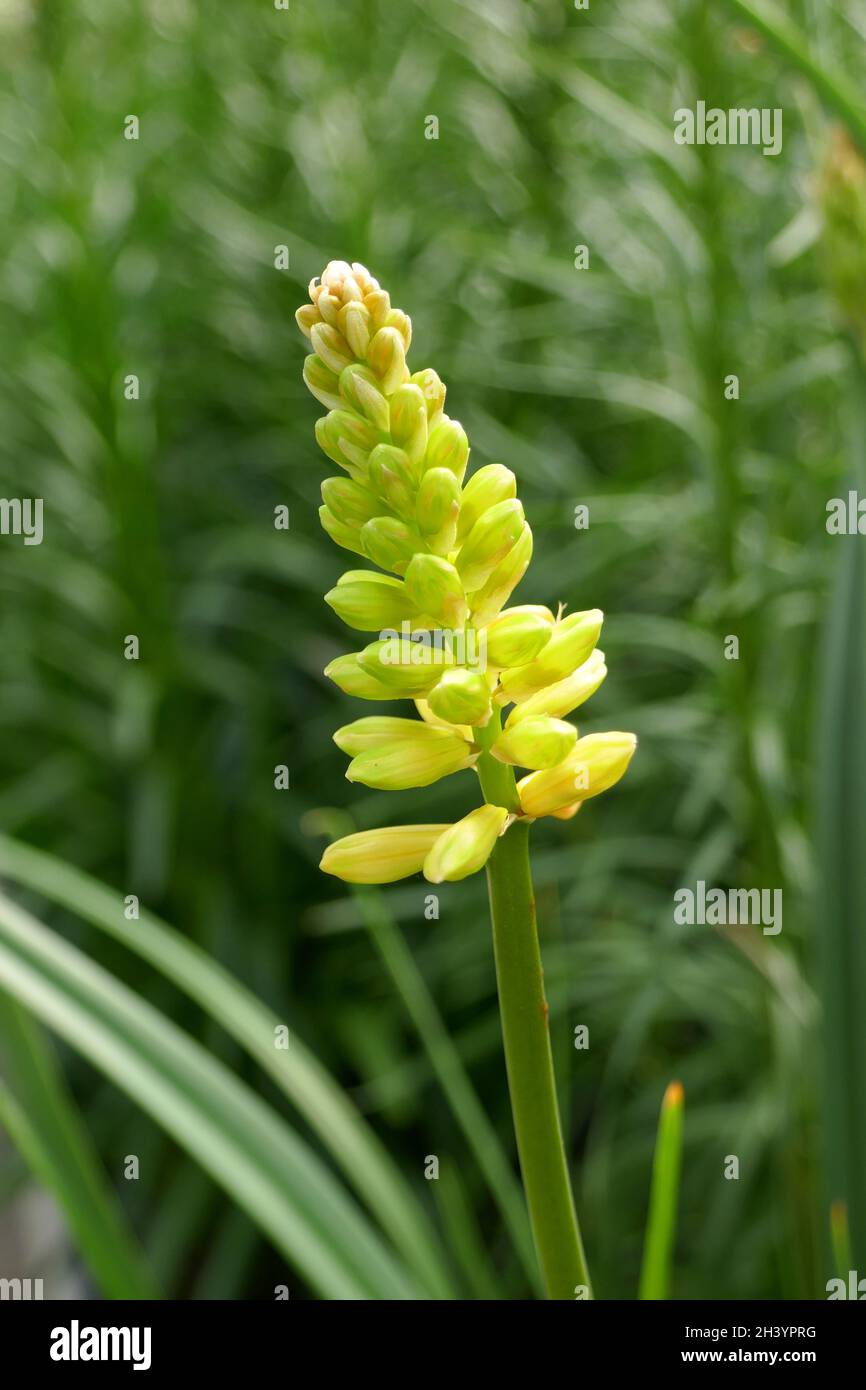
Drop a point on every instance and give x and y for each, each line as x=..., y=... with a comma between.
x=353, y=322
x=380, y=856
x=595, y=763
x=563, y=696
x=322, y=383
x=448, y=447
x=359, y=389
x=433, y=389
x=571, y=643
x=409, y=423
x=465, y=848
x=331, y=346
x=387, y=357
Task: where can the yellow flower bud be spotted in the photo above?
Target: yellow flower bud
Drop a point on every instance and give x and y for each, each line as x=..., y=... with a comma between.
x=563, y=696
x=347, y=673
x=434, y=587
x=349, y=537
x=305, y=317
x=409, y=423
x=350, y=502
x=464, y=848
x=571, y=643
x=536, y=743
x=491, y=484
x=595, y=763
x=518, y=635
x=461, y=697
x=387, y=357
x=486, y=602
x=448, y=447
x=437, y=507
x=358, y=387
x=369, y=601
x=380, y=856
x=353, y=322
x=321, y=382
x=331, y=346
x=390, y=543
x=491, y=538
x=378, y=302
x=415, y=761
x=403, y=324
x=392, y=478
x=433, y=391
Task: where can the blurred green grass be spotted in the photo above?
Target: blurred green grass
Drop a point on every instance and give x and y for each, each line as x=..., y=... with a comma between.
x=605, y=387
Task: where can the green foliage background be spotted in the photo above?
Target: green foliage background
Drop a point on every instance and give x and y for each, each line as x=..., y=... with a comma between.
x=305, y=127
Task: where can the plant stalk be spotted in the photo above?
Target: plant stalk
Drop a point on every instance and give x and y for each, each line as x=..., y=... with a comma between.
x=528, y=1056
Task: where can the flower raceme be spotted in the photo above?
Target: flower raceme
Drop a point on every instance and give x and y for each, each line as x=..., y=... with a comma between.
x=453, y=550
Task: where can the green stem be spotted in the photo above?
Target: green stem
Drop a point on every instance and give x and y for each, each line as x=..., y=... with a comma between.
x=528, y=1056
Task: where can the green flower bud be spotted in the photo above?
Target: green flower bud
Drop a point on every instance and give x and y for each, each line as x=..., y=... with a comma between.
x=392, y=478
x=350, y=502
x=353, y=321
x=434, y=587
x=380, y=856
x=331, y=346
x=358, y=387
x=488, y=543
x=571, y=643
x=409, y=423
x=405, y=667
x=491, y=484
x=461, y=697
x=437, y=507
x=369, y=601
x=347, y=673
x=346, y=536
x=376, y=731
x=433, y=390
x=412, y=762
x=448, y=447
x=486, y=602
x=429, y=717
x=387, y=357
x=347, y=438
x=539, y=742
x=563, y=696
x=465, y=848
x=390, y=543
x=595, y=763
x=518, y=635
x=322, y=382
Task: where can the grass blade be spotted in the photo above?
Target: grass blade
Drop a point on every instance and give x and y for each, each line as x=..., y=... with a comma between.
x=300, y=1076
x=43, y=1122
x=655, y=1276
x=267, y=1169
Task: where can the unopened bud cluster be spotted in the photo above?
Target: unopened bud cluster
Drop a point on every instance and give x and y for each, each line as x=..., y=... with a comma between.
x=452, y=550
